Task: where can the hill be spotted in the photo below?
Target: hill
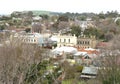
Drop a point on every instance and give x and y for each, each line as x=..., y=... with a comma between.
x=41, y=12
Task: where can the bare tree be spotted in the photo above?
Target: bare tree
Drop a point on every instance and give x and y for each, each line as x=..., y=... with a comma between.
x=15, y=61
x=109, y=72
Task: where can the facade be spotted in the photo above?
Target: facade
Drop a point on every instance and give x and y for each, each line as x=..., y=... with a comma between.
x=66, y=40
x=80, y=42
x=86, y=42
x=31, y=38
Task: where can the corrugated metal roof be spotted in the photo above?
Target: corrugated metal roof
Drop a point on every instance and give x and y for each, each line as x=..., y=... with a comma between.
x=90, y=70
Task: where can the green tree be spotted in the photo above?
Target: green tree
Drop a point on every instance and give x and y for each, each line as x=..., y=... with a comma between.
x=101, y=15
x=27, y=30
x=2, y=27
x=118, y=22
x=63, y=18
x=44, y=16
x=36, y=72
x=76, y=30
x=94, y=32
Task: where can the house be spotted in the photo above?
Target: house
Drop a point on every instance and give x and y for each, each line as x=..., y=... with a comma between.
x=37, y=18
x=66, y=40
x=86, y=56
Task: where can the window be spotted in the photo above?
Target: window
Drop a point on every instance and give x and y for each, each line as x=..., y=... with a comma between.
x=83, y=42
x=60, y=40
x=88, y=42
x=64, y=40
x=69, y=40
x=80, y=42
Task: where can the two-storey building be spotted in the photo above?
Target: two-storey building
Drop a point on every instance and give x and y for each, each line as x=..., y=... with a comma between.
x=66, y=40
x=30, y=38
x=80, y=42
x=86, y=42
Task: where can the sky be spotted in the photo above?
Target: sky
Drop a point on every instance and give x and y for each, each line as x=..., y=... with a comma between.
x=75, y=6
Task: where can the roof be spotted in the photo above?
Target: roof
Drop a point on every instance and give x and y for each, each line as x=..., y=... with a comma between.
x=29, y=35
x=90, y=70
x=54, y=38
x=65, y=49
x=102, y=44
x=80, y=53
x=89, y=49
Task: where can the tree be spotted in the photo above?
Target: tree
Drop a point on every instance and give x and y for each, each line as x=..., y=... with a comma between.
x=118, y=22
x=93, y=31
x=112, y=14
x=63, y=18
x=44, y=16
x=2, y=27
x=109, y=36
x=101, y=15
x=110, y=71
x=20, y=58
x=35, y=72
x=28, y=30
x=76, y=30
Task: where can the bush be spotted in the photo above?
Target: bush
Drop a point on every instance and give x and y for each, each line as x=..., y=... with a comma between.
x=79, y=68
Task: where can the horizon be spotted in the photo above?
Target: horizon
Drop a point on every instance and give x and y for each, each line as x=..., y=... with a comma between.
x=62, y=6
x=61, y=12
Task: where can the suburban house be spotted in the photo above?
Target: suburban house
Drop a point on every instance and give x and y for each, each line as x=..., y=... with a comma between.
x=66, y=40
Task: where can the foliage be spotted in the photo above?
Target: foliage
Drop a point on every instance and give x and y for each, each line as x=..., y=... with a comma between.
x=44, y=16
x=109, y=72
x=76, y=30
x=27, y=30
x=36, y=71
x=2, y=27
x=112, y=14
x=94, y=32
x=101, y=16
x=109, y=36
x=63, y=18
x=78, y=68
x=72, y=81
x=118, y=22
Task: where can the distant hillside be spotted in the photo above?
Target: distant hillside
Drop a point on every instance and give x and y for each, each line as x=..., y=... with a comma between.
x=37, y=12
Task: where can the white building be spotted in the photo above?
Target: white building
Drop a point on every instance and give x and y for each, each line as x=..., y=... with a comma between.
x=32, y=38
x=66, y=40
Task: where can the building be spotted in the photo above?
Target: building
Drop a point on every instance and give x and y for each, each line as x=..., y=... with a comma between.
x=89, y=73
x=66, y=40
x=80, y=42
x=86, y=42
x=30, y=38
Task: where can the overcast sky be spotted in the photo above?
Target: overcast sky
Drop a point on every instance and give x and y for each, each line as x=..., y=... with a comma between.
x=96, y=6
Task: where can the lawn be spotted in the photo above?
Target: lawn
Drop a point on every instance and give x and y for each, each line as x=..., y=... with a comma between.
x=71, y=81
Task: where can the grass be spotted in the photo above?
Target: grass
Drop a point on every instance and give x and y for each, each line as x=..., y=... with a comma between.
x=70, y=81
